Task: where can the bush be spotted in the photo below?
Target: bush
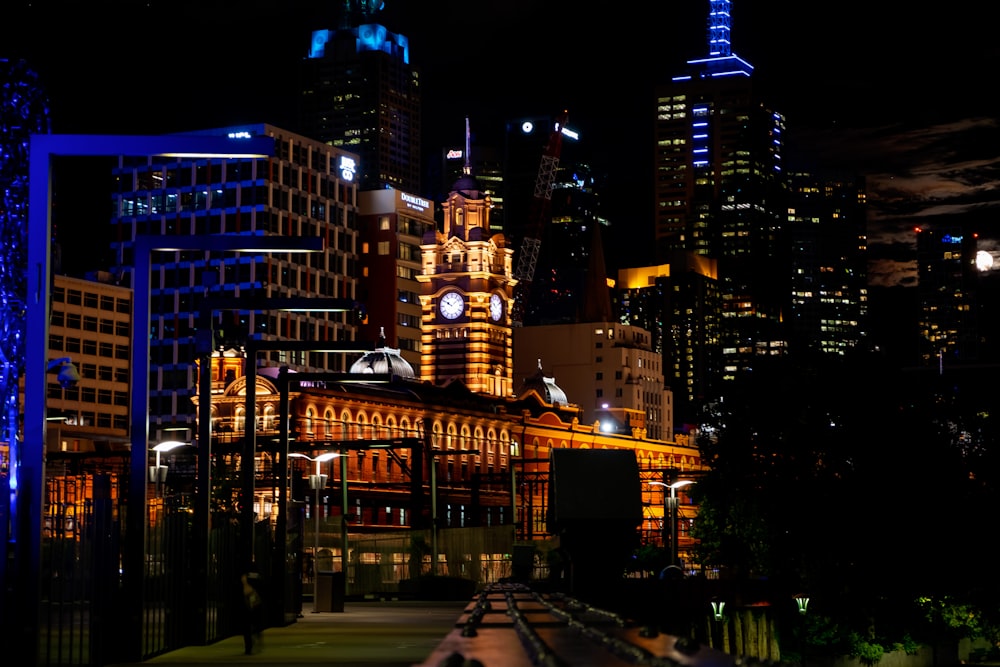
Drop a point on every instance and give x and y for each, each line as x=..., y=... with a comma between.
x=867, y=652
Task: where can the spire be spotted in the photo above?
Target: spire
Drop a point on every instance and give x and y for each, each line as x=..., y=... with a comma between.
x=721, y=61
x=597, y=296
x=467, y=169
x=719, y=24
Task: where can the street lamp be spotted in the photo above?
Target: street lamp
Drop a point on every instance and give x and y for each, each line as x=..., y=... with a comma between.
x=670, y=508
x=316, y=482
x=158, y=473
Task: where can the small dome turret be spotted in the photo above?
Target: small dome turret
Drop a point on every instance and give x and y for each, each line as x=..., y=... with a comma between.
x=384, y=360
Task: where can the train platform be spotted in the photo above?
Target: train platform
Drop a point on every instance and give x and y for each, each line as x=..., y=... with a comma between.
x=365, y=634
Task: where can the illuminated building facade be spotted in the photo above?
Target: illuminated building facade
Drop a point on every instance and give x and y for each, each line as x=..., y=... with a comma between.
x=616, y=364
x=392, y=225
x=486, y=162
x=720, y=191
x=359, y=93
x=679, y=305
x=467, y=282
x=91, y=326
x=308, y=190
x=948, y=289
x=827, y=230
x=395, y=433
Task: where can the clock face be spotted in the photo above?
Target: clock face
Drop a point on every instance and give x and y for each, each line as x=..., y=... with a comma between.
x=451, y=305
x=496, y=307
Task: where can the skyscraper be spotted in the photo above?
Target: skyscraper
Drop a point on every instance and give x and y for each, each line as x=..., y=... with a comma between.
x=948, y=286
x=678, y=303
x=306, y=190
x=392, y=225
x=360, y=93
x=828, y=234
x=720, y=191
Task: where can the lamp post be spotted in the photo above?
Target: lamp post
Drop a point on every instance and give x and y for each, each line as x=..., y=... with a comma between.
x=670, y=509
x=316, y=482
x=158, y=472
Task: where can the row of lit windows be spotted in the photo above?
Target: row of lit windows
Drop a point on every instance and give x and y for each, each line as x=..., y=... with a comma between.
x=91, y=347
x=89, y=395
x=91, y=418
x=103, y=373
x=91, y=300
x=90, y=323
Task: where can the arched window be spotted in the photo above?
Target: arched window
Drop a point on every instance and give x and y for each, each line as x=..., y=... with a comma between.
x=309, y=426
x=361, y=421
x=328, y=425
x=345, y=425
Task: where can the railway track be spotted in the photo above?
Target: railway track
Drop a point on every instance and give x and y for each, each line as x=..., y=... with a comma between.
x=510, y=625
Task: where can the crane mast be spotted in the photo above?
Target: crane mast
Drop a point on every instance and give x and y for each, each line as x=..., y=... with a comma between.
x=541, y=203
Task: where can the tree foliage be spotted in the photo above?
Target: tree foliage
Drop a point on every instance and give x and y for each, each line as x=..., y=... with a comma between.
x=863, y=484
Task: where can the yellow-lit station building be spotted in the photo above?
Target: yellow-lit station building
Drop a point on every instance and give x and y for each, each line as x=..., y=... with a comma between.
x=452, y=446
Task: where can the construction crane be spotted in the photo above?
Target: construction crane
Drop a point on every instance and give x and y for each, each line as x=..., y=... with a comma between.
x=538, y=215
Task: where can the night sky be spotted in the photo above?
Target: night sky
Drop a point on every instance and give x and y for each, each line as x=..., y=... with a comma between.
x=899, y=93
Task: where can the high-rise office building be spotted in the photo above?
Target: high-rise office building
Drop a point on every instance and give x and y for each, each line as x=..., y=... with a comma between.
x=571, y=253
x=392, y=227
x=360, y=93
x=828, y=234
x=308, y=189
x=948, y=286
x=553, y=198
x=611, y=368
x=679, y=304
x=720, y=191
x=91, y=328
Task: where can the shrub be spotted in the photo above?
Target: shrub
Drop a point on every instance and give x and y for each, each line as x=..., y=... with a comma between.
x=867, y=652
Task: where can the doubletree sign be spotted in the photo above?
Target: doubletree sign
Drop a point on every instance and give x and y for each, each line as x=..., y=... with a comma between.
x=348, y=167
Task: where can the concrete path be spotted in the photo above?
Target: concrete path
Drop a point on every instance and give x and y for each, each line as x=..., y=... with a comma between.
x=365, y=634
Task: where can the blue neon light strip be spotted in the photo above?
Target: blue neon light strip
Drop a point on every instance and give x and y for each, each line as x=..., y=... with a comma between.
x=719, y=25
x=368, y=37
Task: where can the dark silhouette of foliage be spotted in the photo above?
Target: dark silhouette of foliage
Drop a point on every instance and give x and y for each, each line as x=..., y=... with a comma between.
x=864, y=484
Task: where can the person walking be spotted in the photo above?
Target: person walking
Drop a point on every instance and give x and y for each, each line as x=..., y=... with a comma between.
x=253, y=612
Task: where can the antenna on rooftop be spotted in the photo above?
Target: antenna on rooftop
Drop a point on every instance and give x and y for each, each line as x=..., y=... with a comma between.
x=467, y=168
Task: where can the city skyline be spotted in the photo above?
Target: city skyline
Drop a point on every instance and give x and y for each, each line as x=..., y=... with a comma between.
x=891, y=94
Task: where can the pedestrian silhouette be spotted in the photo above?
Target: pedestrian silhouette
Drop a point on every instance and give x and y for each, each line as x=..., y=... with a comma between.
x=253, y=612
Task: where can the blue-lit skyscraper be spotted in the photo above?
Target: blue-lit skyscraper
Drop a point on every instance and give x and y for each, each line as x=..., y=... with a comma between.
x=359, y=92
x=720, y=191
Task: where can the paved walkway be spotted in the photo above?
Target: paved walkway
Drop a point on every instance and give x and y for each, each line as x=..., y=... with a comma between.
x=365, y=634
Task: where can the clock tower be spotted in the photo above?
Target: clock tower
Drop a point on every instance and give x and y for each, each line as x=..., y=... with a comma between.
x=466, y=292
